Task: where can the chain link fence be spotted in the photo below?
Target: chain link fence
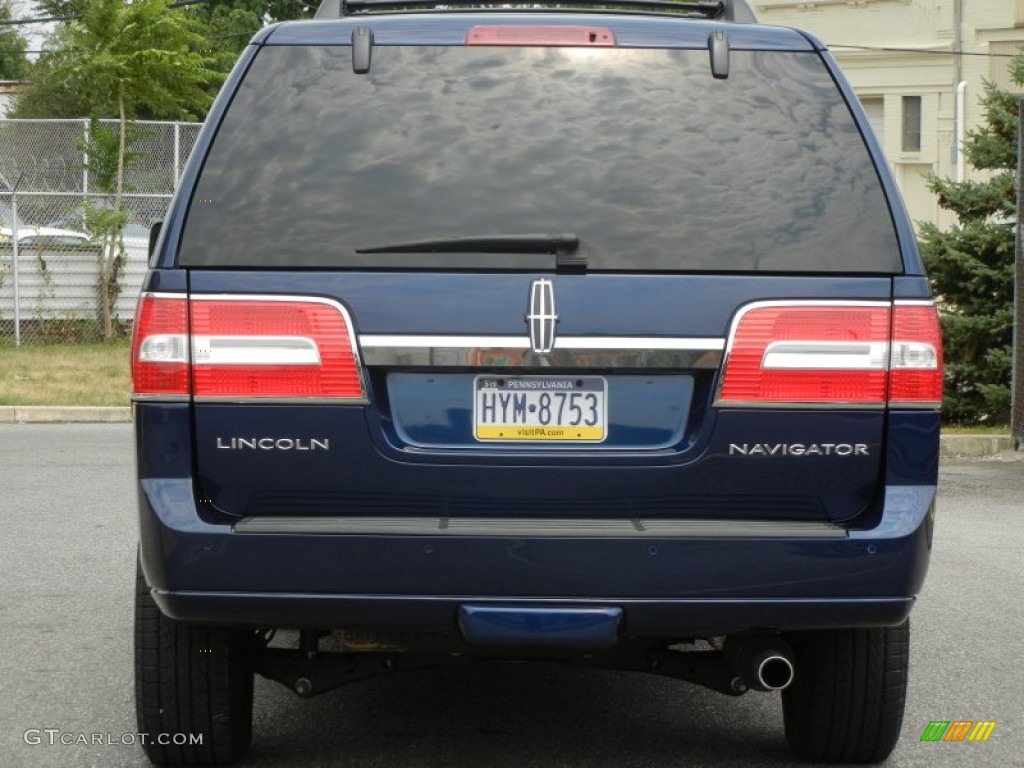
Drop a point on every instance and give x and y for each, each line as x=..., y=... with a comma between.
x=50, y=264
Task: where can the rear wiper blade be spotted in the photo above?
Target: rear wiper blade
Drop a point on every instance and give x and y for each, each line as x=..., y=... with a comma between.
x=564, y=247
x=553, y=244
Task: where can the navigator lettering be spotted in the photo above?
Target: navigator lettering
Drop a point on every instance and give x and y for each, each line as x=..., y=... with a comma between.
x=798, y=449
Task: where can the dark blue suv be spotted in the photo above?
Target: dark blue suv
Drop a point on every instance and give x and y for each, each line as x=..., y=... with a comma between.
x=593, y=335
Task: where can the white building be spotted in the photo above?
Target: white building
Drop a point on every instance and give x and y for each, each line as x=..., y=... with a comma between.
x=8, y=90
x=905, y=60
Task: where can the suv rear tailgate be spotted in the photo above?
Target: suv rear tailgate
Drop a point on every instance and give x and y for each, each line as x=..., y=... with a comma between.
x=410, y=448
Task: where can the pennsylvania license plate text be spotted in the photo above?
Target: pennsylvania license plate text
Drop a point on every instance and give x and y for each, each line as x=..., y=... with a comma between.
x=535, y=408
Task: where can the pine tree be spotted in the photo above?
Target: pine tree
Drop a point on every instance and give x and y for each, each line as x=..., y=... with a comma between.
x=971, y=266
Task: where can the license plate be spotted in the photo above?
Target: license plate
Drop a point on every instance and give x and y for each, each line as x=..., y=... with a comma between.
x=569, y=409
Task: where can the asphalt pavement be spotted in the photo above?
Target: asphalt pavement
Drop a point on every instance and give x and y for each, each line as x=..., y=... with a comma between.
x=67, y=550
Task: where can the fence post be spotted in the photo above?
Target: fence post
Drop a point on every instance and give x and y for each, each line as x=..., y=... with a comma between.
x=85, y=160
x=177, y=152
x=14, y=265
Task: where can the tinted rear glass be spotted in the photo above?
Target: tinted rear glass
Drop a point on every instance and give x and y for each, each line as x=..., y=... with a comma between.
x=654, y=164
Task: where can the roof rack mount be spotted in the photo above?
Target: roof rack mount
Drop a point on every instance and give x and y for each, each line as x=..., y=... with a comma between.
x=725, y=10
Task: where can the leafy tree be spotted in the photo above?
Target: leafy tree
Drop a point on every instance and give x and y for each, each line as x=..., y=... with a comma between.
x=267, y=10
x=228, y=29
x=13, y=64
x=127, y=58
x=49, y=95
x=971, y=265
x=228, y=24
x=225, y=25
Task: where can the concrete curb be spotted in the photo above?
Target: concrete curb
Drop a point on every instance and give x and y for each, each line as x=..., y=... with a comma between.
x=952, y=446
x=63, y=414
x=974, y=445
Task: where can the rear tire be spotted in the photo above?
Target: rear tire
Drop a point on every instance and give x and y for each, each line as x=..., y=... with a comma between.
x=190, y=679
x=846, y=701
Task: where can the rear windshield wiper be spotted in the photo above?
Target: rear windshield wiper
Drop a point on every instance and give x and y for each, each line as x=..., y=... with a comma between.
x=565, y=247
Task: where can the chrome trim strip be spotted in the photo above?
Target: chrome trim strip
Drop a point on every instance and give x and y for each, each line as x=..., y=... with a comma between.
x=826, y=355
x=444, y=342
x=541, y=527
x=522, y=342
x=514, y=351
x=640, y=343
x=518, y=357
x=914, y=302
x=255, y=350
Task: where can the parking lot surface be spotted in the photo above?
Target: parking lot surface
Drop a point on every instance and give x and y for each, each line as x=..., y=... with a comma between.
x=67, y=551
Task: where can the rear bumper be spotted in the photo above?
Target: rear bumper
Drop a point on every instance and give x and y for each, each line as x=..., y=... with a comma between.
x=665, y=618
x=687, y=584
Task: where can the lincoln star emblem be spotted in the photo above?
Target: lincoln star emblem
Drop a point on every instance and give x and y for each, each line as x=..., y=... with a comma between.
x=542, y=318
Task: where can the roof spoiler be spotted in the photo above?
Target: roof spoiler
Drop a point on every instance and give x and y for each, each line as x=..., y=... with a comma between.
x=737, y=11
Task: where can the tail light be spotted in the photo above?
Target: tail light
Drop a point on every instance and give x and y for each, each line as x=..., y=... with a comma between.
x=915, y=377
x=236, y=348
x=160, y=347
x=840, y=353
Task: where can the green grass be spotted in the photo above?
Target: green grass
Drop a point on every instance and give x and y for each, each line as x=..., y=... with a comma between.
x=977, y=429
x=65, y=374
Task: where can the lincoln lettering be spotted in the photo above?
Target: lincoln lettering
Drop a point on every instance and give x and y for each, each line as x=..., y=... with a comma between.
x=273, y=444
x=798, y=449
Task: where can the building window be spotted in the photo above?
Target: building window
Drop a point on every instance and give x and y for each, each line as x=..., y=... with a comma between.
x=874, y=108
x=911, y=123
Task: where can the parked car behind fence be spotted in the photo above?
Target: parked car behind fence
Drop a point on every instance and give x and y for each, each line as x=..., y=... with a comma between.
x=57, y=277
x=44, y=180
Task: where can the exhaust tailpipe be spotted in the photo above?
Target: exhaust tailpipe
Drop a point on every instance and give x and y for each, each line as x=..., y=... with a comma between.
x=772, y=670
x=763, y=663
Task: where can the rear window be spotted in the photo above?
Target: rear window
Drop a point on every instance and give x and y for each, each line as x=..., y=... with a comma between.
x=651, y=162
